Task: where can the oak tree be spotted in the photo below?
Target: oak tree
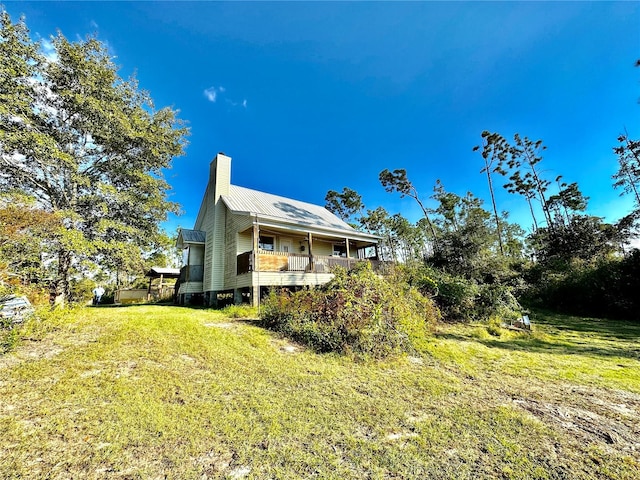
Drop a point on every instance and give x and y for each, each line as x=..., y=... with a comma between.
x=86, y=145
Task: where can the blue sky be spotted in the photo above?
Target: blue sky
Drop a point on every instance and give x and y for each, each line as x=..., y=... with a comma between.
x=308, y=97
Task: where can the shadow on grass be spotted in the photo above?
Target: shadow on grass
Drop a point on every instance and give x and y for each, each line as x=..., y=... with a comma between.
x=149, y=304
x=621, y=329
x=588, y=347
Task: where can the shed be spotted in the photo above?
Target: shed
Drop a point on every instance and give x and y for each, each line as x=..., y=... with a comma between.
x=161, y=289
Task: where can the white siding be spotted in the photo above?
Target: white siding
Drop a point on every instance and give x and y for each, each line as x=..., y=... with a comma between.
x=245, y=242
x=321, y=247
x=290, y=279
x=196, y=255
x=235, y=243
x=211, y=219
x=218, y=247
x=190, y=287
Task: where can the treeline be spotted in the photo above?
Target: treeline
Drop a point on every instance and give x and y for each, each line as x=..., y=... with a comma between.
x=474, y=262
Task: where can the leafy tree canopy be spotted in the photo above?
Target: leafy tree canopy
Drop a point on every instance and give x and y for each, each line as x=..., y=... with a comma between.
x=85, y=144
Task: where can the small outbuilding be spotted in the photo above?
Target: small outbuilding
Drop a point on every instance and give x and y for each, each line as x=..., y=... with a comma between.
x=161, y=287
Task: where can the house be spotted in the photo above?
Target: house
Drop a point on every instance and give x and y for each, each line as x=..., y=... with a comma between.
x=245, y=241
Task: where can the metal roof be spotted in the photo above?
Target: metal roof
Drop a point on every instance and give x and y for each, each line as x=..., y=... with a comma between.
x=155, y=272
x=193, y=236
x=275, y=207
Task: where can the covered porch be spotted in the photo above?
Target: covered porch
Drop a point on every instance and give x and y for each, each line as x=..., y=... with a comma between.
x=294, y=250
x=270, y=261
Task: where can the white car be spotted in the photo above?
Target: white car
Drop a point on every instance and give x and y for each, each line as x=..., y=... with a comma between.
x=15, y=308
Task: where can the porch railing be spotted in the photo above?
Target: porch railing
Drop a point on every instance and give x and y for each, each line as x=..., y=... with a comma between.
x=294, y=262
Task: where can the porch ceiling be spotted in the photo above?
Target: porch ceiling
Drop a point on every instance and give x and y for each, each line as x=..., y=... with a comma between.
x=301, y=235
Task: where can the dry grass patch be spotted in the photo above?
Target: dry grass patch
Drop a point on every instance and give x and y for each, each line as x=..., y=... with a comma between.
x=154, y=392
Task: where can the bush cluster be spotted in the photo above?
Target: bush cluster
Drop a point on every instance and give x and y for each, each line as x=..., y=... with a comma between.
x=357, y=312
x=607, y=289
x=464, y=299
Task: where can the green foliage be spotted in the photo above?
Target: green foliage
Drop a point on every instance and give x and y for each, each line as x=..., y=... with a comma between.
x=494, y=326
x=397, y=181
x=88, y=145
x=607, y=288
x=9, y=335
x=345, y=205
x=356, y=312
x=239, y=311
x=463, y=299
x=456, y=296
x=628, y=175
x=82, y=290
x=25, y=228
x=33, y=327
x=584, y=237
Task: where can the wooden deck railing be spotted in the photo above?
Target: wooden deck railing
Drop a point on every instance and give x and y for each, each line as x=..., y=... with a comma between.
x=270, y=261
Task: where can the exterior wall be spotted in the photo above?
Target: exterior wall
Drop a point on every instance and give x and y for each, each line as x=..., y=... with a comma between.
x=218, y=253
x=235, y=243
x=244, y=242
x=211, y=219
x=321, y=247
x=190, y=287
x=131, y=295
x=196, y=255
x=228, y=235
x=289, y=279
x=244, y=280
x=205, y=223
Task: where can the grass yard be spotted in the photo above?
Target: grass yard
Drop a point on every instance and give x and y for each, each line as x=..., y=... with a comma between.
x=168, y=392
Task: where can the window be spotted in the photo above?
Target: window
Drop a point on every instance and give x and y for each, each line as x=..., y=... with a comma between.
x=339, y=250
x=266, y=243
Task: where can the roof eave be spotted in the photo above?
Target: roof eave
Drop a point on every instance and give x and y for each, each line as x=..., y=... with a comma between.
x=303, y=228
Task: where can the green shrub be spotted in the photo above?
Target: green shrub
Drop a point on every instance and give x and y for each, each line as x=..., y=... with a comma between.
x=34, y=327
x=82, y=290
x=356, y=312
x=494, y=326
x=607, y=288
x=9, y=335
x=240, y=311
x=463, y=299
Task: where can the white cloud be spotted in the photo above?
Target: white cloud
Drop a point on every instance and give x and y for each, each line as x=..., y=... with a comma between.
x=94, y=24
x=212, y=93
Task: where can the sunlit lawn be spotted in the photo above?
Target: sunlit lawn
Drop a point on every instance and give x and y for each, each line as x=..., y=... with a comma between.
x=156, y=391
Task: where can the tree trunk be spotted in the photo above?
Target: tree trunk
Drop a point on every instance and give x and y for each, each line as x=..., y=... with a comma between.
x=533, y=216
x=633, y=185
x=59, y=291
x=495, y=209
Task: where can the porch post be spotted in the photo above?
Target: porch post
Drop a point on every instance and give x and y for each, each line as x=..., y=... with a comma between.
x=255, y=289
x=255, y=296
x=149, y=289
x=346, y=242
x=256, y=238
x=310, y=241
